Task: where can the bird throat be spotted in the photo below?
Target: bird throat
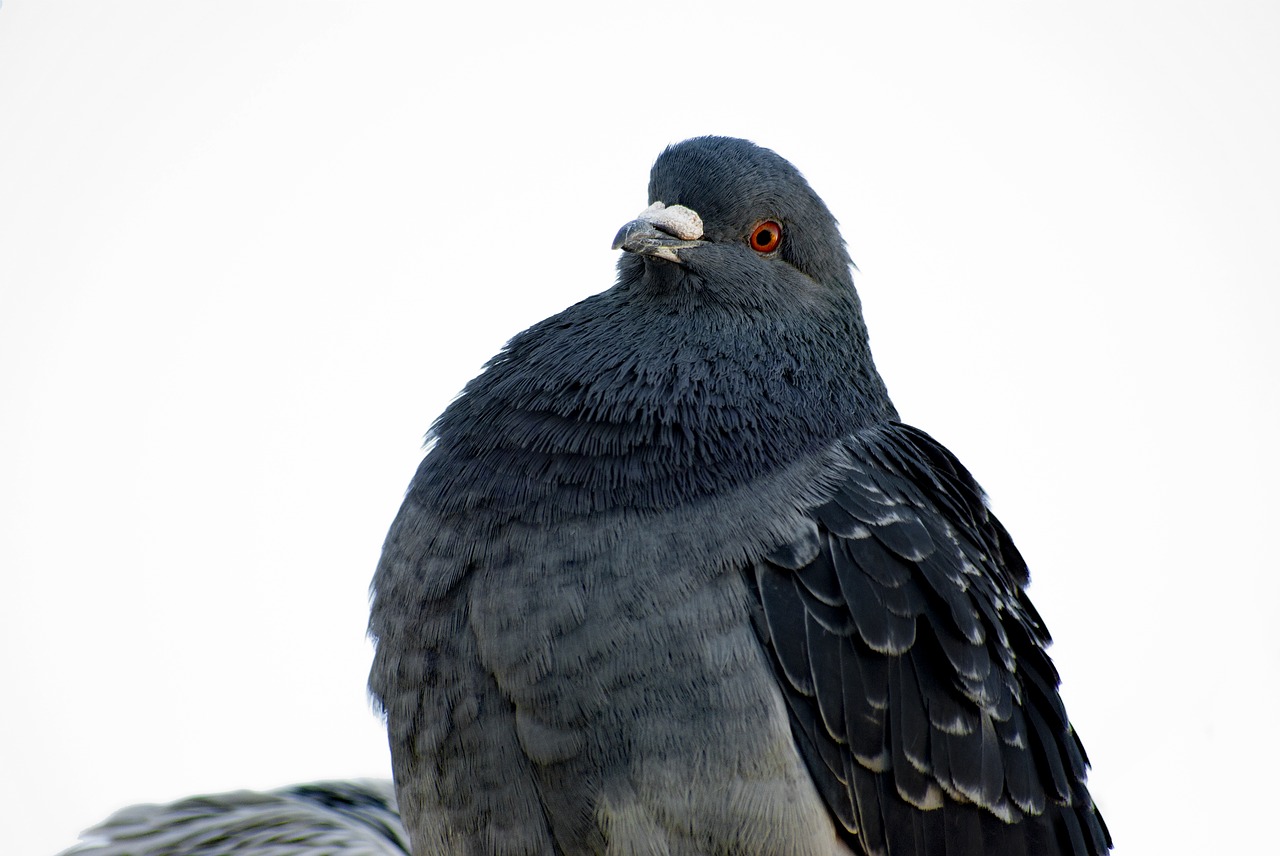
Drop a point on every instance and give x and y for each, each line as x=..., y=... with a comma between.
x=630, y=406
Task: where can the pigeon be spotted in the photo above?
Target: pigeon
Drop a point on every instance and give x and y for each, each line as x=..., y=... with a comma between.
x=340, y=818
x=673, y=578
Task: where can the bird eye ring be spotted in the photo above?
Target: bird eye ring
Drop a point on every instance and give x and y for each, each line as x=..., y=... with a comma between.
x=766, y=237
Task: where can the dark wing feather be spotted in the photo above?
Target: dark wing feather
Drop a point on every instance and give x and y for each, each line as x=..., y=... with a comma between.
x=914, y=666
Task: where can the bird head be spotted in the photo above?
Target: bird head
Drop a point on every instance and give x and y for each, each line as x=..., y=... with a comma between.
x=730, y=216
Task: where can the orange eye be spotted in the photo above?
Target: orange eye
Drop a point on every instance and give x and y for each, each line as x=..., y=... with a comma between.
x=766, y=237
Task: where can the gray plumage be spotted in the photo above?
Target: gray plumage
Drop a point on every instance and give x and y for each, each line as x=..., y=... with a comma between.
x=673, y=579
x=350, y=818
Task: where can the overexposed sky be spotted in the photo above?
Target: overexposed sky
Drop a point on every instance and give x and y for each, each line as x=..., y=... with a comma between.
x=248, y=250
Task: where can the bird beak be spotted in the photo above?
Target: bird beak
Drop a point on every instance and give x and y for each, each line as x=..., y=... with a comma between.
x=659, y=231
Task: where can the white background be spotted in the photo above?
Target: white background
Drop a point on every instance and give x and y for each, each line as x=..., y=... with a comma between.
x=248, y=250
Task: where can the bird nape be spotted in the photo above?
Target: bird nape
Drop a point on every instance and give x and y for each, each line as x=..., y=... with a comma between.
x=673, y=578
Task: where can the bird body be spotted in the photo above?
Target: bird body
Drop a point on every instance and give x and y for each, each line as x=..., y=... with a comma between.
x=672, y=578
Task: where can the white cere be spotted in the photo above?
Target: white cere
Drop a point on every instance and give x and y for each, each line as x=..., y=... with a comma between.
x=682, y=222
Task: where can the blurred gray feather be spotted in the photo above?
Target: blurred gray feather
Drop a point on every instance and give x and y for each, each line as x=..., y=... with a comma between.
x=347, y=818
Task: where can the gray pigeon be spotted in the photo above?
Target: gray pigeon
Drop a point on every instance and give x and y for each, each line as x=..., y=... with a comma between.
x=674, y=579
x=352, y=818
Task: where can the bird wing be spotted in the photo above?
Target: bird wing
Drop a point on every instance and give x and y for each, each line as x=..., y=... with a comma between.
x=914, y=666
